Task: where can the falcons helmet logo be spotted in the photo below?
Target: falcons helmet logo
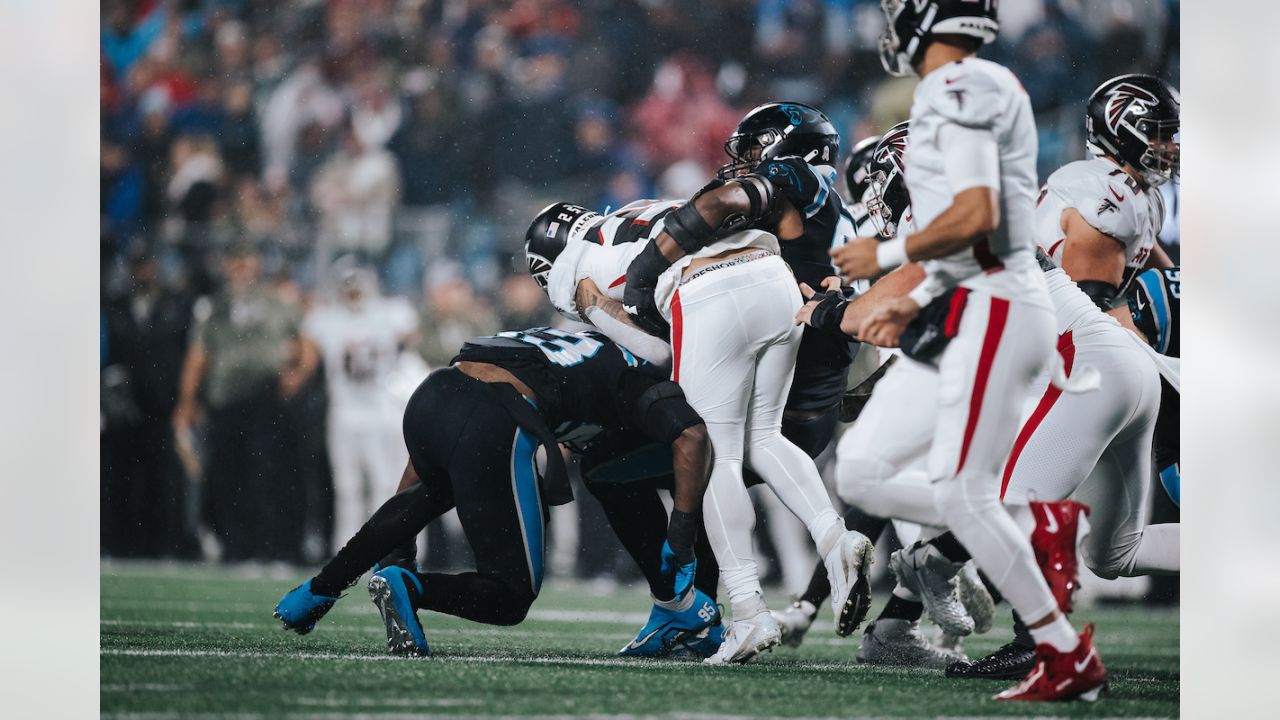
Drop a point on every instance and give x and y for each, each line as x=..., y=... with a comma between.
x=539, y=268
x=892, y=147
x=1124, y=97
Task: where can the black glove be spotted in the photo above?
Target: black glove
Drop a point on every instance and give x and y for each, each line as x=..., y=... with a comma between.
x=829, y=312
x=642, y=279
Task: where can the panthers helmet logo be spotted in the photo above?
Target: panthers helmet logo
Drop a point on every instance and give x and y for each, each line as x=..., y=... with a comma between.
x=539, y=268
x=1123, y=98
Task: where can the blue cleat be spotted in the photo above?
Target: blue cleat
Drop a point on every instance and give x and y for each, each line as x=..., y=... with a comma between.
x=300, y=609
x=667, y=628
x=389, y=590
x=700, y=645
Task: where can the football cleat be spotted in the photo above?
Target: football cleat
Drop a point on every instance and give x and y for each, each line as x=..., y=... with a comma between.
x=1011, y=661
x=389, y=589
x=795, y=621
x=700, y=645
x=898, y=643
x=927, y=573
x=1060, y=526
x=1056, y=675
x=847, y=567
x=667, y=627
x=747, y=638
x=300, y=609
x=976, y=598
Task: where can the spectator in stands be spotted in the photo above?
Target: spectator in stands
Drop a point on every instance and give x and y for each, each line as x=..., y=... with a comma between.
x=144, y=492
x=453, y=314
x=355, y=192
x=244, y=361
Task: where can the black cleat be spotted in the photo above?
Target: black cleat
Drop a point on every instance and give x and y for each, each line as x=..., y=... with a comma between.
x=1011, y=662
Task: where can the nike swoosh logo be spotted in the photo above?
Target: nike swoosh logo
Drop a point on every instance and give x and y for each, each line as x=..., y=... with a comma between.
x=959, y=77
x=1080, y=666
x=1118, y=196
x=1052, y=522
x=641, y=641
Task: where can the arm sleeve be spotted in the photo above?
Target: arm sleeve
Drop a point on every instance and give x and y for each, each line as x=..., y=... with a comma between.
x=971, y=157
x=640, y=343
x=805, y=186
x=657, y=408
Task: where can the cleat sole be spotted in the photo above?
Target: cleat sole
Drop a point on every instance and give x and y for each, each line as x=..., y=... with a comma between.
x=399, y=640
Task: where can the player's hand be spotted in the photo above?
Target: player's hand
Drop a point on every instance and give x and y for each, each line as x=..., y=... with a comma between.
x=856, y=259
x=291, y=381
x=884, y=326
x=806, y=311
x=682, y=574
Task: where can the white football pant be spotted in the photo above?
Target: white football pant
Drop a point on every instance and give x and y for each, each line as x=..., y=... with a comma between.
x=734, y=341
x=1096, y=448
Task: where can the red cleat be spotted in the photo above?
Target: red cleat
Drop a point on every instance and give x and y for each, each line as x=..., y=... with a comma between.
x=1055, y=540
x=1075, y=675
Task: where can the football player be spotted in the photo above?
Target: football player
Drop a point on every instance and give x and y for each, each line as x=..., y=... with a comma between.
x=982, y=311
x=1102, y=439
x=360, y=338
x=473, y=431
x=736, y=372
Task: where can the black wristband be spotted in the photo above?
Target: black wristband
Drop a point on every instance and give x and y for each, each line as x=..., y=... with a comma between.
x=682, y=532
x=1103, y=294
x=829, y=312
x=688, y=228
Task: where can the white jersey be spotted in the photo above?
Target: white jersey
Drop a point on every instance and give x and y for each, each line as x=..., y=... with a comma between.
x=602, y=251
x=360, y=347
x=1107, y=199
x=979, y=94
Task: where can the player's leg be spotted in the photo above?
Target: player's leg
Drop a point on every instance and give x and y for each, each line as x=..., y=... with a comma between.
x=877, y=468
x=985, y=372
x=788, y=471
x=344, y=460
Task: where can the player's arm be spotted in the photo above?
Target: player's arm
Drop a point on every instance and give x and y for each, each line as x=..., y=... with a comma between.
x=742, y=201
x=1093, y=259
x=1158, y=259
x=847, y=317
x=612, y=319
x=971, y=158
x=193, y=368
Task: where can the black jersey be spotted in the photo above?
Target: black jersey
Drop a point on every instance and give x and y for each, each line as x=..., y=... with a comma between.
x=585, y=384
x=1155, y=301
x=811, y=189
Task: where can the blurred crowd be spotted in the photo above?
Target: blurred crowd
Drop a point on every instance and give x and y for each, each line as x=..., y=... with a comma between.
x=254, y=151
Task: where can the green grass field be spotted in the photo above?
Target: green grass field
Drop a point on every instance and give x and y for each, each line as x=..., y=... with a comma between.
x=199, y=642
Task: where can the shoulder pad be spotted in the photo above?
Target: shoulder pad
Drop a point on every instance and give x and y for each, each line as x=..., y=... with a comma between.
x=803, y=185
x=1104, y=200
x=966, y=94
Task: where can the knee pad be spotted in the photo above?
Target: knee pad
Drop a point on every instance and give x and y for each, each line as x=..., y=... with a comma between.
x=811, y=435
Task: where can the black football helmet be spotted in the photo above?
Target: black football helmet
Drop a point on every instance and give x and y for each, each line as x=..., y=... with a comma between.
x=911, y=22
x=886, y=198
x=548, y=235
x=1134, y=119
x=784, y=129
x=855, y=167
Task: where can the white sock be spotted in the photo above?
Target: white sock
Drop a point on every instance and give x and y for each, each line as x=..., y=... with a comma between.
x=1058, y=633
x=748, y=607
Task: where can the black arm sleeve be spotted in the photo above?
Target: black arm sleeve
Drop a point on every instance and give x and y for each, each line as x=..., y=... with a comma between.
x=1103, y=294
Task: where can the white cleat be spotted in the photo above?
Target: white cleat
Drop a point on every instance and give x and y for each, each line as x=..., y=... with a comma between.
x=745, y=639
x=976, y=598
x=898, y=643
x=847, y=567
x=795, y=621
x=927, y=573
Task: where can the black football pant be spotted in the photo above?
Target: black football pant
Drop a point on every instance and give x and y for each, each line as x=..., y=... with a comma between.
x=468, y=453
